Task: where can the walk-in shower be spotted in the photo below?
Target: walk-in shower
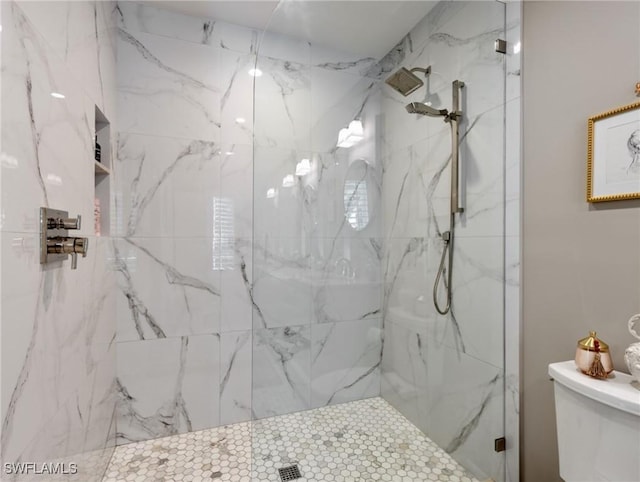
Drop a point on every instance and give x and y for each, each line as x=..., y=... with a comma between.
x=298, y=270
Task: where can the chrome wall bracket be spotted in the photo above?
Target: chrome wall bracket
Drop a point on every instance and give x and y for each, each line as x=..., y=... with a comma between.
x=55, y=242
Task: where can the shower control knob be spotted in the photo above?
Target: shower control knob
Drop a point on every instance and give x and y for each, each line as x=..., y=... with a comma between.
x=72, y=246
x=80, y=246
x=64, y=223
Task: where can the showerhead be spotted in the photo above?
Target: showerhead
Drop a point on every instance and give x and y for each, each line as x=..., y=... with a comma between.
x=424, y=109
x=405, y=81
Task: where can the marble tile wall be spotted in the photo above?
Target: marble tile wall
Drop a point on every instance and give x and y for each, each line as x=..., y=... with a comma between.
x=236, y=295
x=316, y=280
x=454, y=386
x=58, y=325
x=240, y=297
x=183, y=223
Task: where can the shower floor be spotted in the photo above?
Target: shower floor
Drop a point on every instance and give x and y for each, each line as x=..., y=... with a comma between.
x=356, y=441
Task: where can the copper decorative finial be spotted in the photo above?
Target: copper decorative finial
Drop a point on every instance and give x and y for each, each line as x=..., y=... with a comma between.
x=638, y=88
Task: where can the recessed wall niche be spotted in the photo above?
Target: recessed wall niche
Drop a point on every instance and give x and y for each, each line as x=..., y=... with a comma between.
x=102, y=173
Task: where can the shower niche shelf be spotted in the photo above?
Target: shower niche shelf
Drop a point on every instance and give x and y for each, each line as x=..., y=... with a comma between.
x=100, y=169
x=102, y=174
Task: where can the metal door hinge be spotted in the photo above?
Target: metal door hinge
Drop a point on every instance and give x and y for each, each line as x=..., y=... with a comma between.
x=500, y=444
x=501, y=46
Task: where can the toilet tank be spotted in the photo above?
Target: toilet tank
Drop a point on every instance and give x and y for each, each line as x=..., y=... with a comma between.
x=598, y=424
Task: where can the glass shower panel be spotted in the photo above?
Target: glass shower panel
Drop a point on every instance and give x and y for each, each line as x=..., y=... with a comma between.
x=354, y=374
x=446, y=373
x=316, y=279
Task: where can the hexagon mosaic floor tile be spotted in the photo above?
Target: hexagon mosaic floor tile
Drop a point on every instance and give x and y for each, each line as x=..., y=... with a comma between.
x=357, y=441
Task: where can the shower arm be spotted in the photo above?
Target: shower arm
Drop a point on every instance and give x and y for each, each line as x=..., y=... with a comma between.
x=426, y=71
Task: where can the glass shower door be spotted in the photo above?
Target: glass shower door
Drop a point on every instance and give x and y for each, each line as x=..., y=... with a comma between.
x=446, y=373
x=355, y=375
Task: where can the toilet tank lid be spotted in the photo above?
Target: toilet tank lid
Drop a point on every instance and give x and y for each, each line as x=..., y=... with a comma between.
x=617, y=391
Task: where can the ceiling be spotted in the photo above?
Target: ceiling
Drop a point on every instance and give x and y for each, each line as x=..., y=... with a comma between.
x=369, y=28
x=253, y=14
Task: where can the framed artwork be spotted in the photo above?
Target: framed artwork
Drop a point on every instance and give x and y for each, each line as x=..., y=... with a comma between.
x=613, y=163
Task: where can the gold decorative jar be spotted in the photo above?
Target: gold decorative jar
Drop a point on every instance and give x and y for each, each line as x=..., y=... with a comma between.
x=593, y=357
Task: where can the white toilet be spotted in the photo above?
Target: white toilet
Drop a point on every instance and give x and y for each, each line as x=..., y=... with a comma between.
x=598, y=425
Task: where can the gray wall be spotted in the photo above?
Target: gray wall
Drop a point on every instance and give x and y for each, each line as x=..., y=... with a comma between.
x=581, y=262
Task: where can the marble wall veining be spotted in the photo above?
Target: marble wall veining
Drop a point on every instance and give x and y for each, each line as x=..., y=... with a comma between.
x=243, y=290
x=316, y=280
x=240, y=296
x=183, y=223
x=58, y=325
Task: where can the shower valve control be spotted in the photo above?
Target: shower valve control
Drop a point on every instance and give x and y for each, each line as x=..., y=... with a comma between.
x=55, y=242
x=64, y=223
x=72, y=246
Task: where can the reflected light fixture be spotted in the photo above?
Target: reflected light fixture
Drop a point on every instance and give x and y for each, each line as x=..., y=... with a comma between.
x=255, y=72
x=57, y=95
x=288, y=181
x=516, y=48
x=7, y=161
x=54, y=179
x=271, y=193
x=241, y=120
x=303, y=168
x=350, y=136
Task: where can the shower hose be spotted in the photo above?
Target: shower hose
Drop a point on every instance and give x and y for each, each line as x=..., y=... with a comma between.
x=442, y=270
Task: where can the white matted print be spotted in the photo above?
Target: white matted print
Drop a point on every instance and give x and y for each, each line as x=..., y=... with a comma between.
x=613, y=166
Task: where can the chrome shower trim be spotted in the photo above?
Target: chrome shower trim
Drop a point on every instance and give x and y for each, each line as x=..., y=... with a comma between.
x=405, y=81
x=454, y=118
x=442, y=271
x=426, y=71
x=446, y=273
x=424, y=109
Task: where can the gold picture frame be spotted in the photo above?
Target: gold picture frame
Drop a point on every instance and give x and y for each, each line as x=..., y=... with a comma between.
x=613, y=157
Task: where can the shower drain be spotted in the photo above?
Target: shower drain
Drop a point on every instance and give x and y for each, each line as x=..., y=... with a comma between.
x=289, y=473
